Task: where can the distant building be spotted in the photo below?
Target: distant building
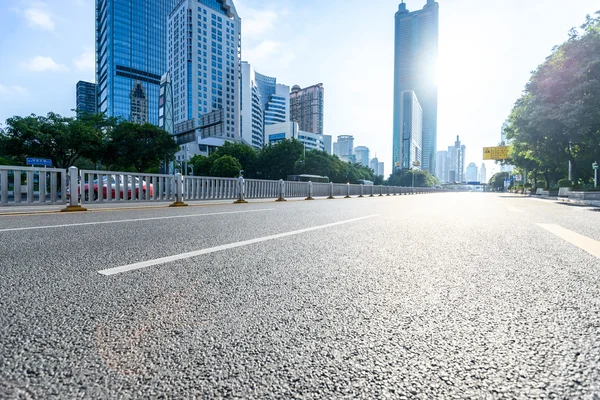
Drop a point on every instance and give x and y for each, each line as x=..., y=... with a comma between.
x=336, y=149
x=307, y=107
x=483, y=174
x=362, y=154
x=408, y=146
x=416, y=55
x=374, y=165
x=472, y=173
x=381, y=168
x=345, y=147
x=165, y=104
x=85, y=98
x=456, y=162
x=264, y=102
x=441, y=166
x=328, y=139
x=277, y=132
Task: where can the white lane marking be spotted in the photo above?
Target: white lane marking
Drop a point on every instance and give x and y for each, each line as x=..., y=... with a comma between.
x=583, y=242
x=30, y=228
x=164, y=260
x=509, y=208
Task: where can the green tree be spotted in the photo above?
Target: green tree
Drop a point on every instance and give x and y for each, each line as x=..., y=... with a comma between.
x=404, y=178
x=277, y=161
x=247, y=156
x=226, y=167
x=497, y=181
x=65, y=141
x=138, y=147
x=557, y=120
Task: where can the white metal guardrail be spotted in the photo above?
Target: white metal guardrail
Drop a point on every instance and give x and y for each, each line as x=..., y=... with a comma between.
x=28, y=185
x=52, y=186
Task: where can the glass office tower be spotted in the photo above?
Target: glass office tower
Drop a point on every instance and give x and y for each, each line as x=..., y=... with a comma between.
x=416, y=55
x=131, y=56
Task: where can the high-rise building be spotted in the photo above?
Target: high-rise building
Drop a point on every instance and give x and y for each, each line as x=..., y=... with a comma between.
x=203, y=58
x=131, y=57
x=86, y=98
x=408, y=146
x=416, y=54
x=374, y=165
x=264, y=102
x=456, y=162
x=381, y=168
x=483, y=173
x=327, y=140
x=472, y=173
x=275, y=133
x=345, y=148
x=362, y=155
x=306, y=107
x=165, y=105
x=441, y=168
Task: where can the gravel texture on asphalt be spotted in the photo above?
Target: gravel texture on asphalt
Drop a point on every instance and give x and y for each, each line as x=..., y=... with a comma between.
x=457, y=296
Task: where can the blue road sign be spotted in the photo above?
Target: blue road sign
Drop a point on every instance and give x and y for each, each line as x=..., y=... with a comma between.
x=39, y=161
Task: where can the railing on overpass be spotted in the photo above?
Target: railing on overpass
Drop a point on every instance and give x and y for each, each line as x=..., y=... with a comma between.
x=52, y=186
x=30, y=185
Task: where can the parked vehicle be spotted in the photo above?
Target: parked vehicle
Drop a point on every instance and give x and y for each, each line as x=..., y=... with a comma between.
x=132, y=183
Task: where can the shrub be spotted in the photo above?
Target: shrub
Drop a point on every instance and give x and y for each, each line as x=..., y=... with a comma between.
x=565, y=183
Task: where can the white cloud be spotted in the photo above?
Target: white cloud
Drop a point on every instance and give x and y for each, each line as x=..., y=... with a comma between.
x=39, y=18
x=258, y=22
x=86, y=61
x=42, y=64
x=270, y=53
x=13, y=90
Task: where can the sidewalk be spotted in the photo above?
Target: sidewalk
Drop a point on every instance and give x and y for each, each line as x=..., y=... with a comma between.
x=96, y=207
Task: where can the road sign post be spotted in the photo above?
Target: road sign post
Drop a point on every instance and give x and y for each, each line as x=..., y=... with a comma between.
x=595, y=166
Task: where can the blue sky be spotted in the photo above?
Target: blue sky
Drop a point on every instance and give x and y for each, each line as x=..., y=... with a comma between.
x=487, y=50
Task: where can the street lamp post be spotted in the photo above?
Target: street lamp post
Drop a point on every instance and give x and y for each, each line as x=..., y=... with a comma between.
x=595, y=166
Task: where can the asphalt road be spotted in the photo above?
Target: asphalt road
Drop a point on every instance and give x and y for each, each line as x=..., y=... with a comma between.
x=466, y=296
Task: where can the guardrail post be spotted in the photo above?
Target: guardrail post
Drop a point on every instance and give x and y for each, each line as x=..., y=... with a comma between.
x=348, y=191
x=380, y=190
x=361, y=190
x=310, y=191
x=73, y=205
x=178, y=192
x=394, y=189
x=241, y=189
x=281, y=191
x=331, y=191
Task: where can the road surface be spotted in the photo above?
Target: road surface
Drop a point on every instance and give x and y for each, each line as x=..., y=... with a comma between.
x=427, y=297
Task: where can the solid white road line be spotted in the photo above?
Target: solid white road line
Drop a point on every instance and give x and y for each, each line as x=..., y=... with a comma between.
x=583, y=242
x=31, y=228
x=164, y=260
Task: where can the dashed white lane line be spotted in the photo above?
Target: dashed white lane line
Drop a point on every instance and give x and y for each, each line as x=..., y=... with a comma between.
x=165, y=260
x=583, y=242
x=31, y=228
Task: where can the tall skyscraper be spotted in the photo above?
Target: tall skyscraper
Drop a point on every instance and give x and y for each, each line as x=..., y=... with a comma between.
x=131, y=57
x=264, y=102
x=345, y=147
x=381, y=168
x=483, y=173
x=411, y=132
x=441, y=166
x=472, y=173
x=456, y=162
x=327, y=140
x=374, y=165
x=416, y=54
x=306, y=106
x=203, y=58
x=362, y=155
x=86, y=98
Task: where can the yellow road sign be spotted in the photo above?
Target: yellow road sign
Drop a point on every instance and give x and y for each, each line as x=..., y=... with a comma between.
x=495, y=153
